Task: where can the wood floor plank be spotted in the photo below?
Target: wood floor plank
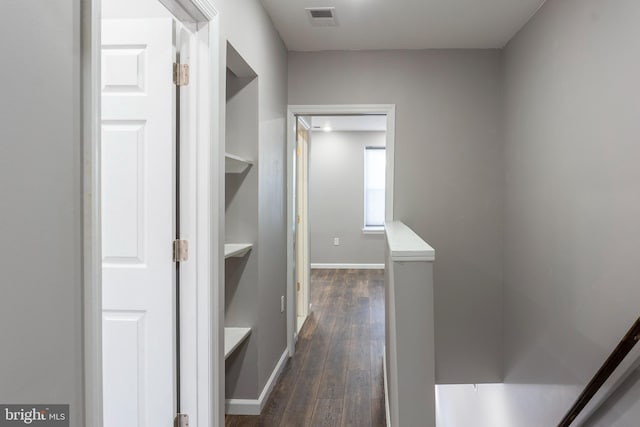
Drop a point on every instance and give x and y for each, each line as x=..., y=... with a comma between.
x=357, y=401
x=309, y=327
x=377, y=375
x=281, y=394
x=295, y=420
x=319, y=346
x=359, y=354
x=241, y=421
x=302, y=402
x=358, y=383
x=361, y=288
x=356, y=412
x=320, y=298
x=360, y=332
x=334, y=377
x=377, y=330
x=327, y=413
x=378, y=413
x=376, y=304
x=342, y=329
x=304, y=339
x=360, y=314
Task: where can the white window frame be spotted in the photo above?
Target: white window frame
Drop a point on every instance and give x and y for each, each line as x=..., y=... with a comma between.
x=366, y=228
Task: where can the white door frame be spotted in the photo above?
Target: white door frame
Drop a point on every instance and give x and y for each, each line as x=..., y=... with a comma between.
x=316, y=110
x=204, y=394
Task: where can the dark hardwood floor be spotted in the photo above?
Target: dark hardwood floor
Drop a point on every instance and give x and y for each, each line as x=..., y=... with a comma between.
x=335, y=377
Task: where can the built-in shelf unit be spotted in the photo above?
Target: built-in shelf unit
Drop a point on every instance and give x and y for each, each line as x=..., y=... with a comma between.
x=241, y=228
x=235, y=250
x=233, y=337
x=235, y=164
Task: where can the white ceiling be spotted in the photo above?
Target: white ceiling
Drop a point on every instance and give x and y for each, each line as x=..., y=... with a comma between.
x=402, y=24
x=349, y=123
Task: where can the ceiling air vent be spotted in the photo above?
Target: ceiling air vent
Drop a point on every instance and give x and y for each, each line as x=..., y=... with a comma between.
x=322, y=16
x=321, y=13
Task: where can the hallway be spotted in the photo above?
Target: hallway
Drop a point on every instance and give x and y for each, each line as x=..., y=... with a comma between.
x=335, y=377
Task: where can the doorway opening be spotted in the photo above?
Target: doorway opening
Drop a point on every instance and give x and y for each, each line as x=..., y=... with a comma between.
x=151, y=108
x=340, y=194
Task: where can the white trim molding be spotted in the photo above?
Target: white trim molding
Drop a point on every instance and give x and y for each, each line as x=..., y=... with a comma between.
x=255, y=406
x=373, y=230
x=91, y=235
x=405, y=245
x=194, y=11
x=206, y=8
x=313, y=110
x=387, y=411
x=347, y=266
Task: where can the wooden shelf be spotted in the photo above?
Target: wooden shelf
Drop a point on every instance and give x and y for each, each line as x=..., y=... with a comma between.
x=236, y=250
x=233, y=337
x=235, y=164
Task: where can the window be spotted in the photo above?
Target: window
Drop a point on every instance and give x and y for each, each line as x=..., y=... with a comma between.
x=374, y=184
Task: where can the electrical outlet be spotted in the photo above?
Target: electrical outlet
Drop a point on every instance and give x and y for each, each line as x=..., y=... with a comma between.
x=282, y=304
x=336, y=241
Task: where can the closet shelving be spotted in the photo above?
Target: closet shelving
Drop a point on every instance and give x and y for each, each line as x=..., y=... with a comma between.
x=236, y=164
x=241, y=306
x=236, y=250
x=233, y=337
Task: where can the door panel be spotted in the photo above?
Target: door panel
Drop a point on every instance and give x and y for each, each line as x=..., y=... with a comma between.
x=125, y=391
x=123, y=150
x=138, y=223
x=302, y=226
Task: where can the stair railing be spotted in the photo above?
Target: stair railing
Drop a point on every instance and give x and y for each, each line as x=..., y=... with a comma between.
x=608, y=367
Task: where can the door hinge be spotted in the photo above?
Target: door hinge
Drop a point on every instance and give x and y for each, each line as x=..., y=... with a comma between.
x=180, y=250
x=298, y=286
x=180, y=74
x=181, y=420
x=298, y=219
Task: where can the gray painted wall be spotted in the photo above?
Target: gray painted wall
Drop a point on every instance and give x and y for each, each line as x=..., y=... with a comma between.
x=572, y=206
x=449, y=178
x=245, y=24
x=41, y=218
x=336, y=198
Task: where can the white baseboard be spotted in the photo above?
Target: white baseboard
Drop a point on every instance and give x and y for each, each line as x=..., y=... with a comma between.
x=386, y=387
x=254, y=406
x=348, y=266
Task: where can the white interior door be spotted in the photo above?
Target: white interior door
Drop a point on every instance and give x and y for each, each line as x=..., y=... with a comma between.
x=302, y=228
x=138, y=218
